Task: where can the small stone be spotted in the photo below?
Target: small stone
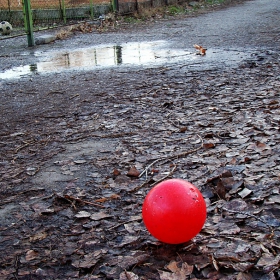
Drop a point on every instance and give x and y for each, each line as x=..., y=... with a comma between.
x=45, y=39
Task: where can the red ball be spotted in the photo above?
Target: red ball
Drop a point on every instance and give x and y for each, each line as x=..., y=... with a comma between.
x=174, y=211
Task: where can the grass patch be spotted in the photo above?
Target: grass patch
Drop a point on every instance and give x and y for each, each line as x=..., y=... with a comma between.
x=214, y=2
x=130, y=19
x=174, y=10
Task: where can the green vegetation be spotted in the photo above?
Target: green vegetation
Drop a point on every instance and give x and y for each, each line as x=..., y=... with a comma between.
x=130, y=19
x=213, y=2
x=173, y=10
x=166, y=11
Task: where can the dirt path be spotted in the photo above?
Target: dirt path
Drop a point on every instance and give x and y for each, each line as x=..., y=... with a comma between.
x=70, y=208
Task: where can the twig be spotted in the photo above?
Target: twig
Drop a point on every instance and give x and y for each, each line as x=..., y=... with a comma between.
x=168, y=175
x=72, y=202
x=148, y=167
x=56, y=92
x=74, y=96
x=76, y=199
x=126, y=222
x=166, y=159
x=23, y=146
x=145, y=171
x=140, y=187
x=184, y=65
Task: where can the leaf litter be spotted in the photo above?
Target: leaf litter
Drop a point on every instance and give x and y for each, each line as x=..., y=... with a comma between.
x=73, y=178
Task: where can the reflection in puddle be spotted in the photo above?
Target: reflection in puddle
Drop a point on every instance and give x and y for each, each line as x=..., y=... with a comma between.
x=104, y=56
x=108, y=56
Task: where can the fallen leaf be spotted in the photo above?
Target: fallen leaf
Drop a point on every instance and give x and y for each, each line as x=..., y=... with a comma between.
x=83, y=214
x=104, y=199
x=127, y=275
x=221, y=190
x=31, y=171
x=42, y=208
x=214, y=262
x=244, y=276
x=31, y=255
x=90, y=259
x=38, y=236
x=80, y=161
x=178, y=273
x=128, y=240
x=99, y=216
x=245, y=192
x=135, y=257
x=116, y=172
x=133, y=172
x=229, y=228
x=208, y=145
x=202, y=51
x=164, y=275
x=172, y=266
x=183, y=129
x=268, y=259
x=101, y=200
x=115, y=196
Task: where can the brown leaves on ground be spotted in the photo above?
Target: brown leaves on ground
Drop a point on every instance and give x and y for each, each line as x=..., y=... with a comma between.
x=66, y=32
x=87, y=27
x=133, y=172
x=177, y=273
x=79, y=216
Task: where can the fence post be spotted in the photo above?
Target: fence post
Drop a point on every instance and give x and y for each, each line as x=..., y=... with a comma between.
x=63, y=11
x=9, y=6
x=28, y=22
x=91, y=9
x=115, y=4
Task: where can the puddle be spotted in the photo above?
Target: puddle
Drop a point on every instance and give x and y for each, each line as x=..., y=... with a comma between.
x=128, y=54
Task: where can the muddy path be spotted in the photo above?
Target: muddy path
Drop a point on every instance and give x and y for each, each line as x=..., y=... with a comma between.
x=74, y=139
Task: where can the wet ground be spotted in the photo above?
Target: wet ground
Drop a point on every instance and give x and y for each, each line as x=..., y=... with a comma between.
x=83, y=117
x=156, y=53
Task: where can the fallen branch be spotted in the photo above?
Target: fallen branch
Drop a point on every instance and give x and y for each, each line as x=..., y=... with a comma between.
x=73, y=200
x=165, y=159
x=23, y=146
